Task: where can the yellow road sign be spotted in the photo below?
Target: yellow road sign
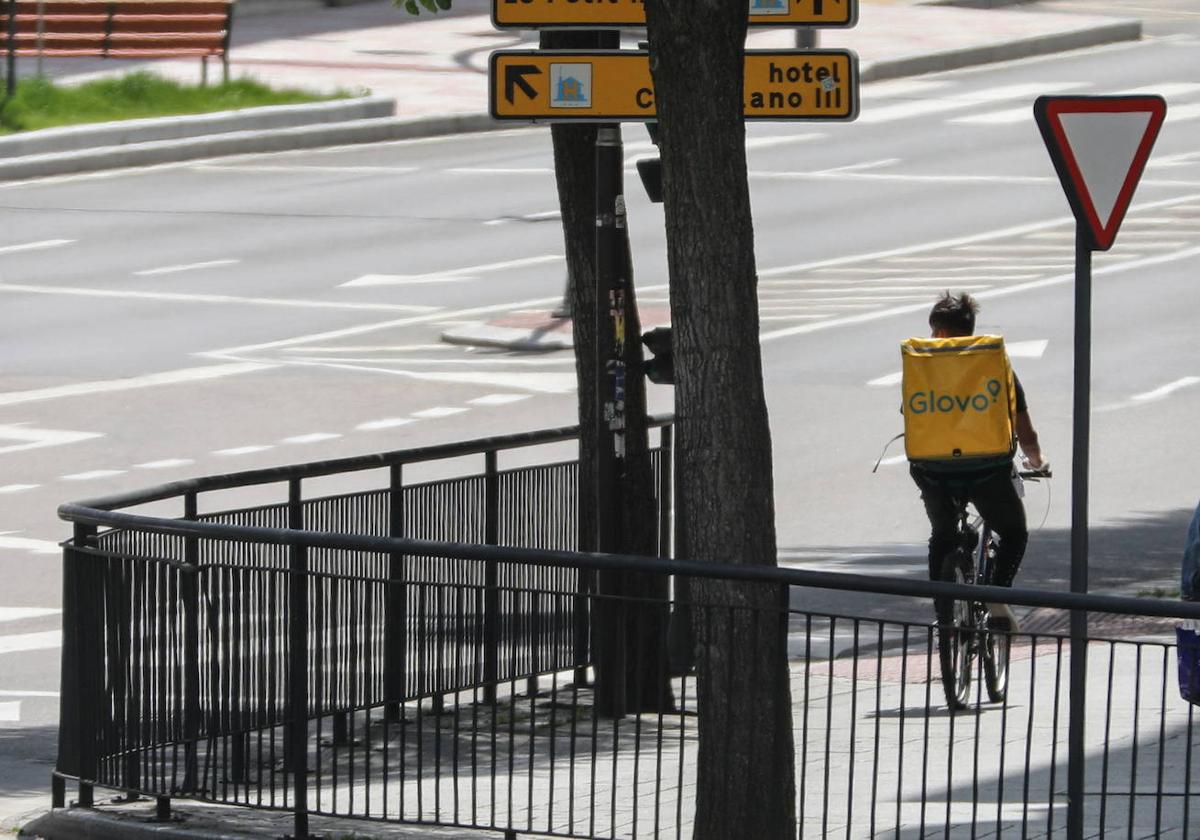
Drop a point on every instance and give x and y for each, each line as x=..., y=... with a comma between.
x=565, y=14
x=615, y=85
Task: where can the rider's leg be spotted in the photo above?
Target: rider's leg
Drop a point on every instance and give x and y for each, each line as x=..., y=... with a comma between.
x=943, y=519
x=997, y=501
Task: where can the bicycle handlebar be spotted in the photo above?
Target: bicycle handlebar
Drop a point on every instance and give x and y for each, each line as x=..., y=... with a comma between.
x=1034, y=475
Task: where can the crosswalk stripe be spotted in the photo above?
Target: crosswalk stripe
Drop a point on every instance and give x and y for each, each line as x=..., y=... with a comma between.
x=22, y=613
x=10, y=711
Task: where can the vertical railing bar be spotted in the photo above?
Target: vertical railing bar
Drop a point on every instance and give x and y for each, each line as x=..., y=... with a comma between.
x=298, y=671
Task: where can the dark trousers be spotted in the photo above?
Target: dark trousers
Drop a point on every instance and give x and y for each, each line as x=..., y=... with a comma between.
x=994, y=496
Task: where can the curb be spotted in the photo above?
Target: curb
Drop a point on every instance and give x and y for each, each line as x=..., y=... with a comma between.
x=1091, y=36
x=89, y=137
x=193, y=820
x=238, y=142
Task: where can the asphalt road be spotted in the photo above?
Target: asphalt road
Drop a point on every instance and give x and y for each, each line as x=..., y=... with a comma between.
x=207, y=317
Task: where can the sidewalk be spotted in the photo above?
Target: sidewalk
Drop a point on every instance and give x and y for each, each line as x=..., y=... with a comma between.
x=435, y=69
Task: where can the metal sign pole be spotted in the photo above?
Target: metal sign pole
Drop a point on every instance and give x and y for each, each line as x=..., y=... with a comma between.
x=1079, y=529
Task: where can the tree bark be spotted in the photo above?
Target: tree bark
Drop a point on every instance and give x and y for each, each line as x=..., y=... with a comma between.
x=641, y=632
x=745, y=774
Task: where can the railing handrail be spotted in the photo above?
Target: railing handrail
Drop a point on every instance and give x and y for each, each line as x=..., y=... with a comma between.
x=317, y=469
x=1122, y=605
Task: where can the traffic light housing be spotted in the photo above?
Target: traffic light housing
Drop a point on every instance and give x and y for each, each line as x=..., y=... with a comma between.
x=661, y=368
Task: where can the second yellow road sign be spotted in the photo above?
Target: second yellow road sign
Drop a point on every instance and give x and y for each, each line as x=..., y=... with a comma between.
x=615, y=85
x=564, y=14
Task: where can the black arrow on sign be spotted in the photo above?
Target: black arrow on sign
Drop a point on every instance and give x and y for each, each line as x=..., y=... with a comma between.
x=514, y=77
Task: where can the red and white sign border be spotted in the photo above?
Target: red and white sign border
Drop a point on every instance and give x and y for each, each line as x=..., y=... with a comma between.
x=1049, y=109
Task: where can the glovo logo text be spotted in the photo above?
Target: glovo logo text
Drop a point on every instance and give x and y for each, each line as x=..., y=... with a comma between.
x=931, y=402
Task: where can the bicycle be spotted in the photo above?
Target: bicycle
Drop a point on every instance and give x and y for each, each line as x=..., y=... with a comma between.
x=966, y=631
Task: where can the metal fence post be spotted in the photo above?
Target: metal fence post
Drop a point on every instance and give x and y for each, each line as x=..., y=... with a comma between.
x=491, y=596
x=395, y=640
x=76, y=711
x=298, y=664
x=89, y=646
x=189, y=585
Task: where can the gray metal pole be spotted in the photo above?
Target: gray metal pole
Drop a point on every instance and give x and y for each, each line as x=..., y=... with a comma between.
x=1079, y=530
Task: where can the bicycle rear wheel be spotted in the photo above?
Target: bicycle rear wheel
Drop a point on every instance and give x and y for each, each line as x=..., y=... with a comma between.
x=996, y=641
x=956, y=633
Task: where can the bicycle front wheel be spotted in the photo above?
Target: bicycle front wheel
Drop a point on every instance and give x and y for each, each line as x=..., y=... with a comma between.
x=956, y=633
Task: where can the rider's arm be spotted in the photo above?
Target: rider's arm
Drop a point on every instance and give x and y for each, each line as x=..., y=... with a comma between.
x=1028, y=439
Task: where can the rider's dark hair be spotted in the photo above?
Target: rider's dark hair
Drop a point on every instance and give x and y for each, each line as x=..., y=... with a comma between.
x=954, y=314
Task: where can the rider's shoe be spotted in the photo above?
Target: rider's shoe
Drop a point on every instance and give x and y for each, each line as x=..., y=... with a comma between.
x=1003, y=617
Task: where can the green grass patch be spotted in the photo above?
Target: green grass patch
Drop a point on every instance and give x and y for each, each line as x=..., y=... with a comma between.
x=40, y=103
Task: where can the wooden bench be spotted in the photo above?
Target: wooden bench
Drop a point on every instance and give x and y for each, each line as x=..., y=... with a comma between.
x=120, y=29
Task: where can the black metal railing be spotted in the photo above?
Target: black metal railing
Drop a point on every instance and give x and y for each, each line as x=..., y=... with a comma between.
x=313, y=656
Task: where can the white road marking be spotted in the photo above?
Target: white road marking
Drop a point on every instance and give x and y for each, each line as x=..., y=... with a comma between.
x=297, y=168
x=17, y=488
x=150, y=380
x=525, y=217
x=887, y=380
x=808, y=317
x=34, y=246
x=23, y=642
x=506, y=361
x=315, y=437
x=22, y=613
x=91, y=475
x=1027, y=349
x=1016, y=350
x=925, y=107
x=1166, y=390
x=31, y=438
x=11, y=693
x=496, y=170
x=237, y=353
x=1007, y=117
x=867, y=317
x=450, y=275
x=902, y=87
x=958, y=242
x=241, y=450
x=27, y=544
x=388, y=423
x=176, y=269
x=439, y=411
x=379, y=348
x=893, y=461
x=179, y=297
x=165, y=464
x=10, y=711
x=903, y=178
x=498, y=399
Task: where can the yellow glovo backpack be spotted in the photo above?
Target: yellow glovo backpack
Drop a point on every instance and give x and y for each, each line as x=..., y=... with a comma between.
x=959, y=400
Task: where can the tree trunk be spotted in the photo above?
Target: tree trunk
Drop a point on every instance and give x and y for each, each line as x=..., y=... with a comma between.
x=639, y=633
x=745, y=776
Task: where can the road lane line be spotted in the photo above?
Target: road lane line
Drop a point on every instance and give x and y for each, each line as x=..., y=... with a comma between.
x=241, y=450
x=452, y=274
x=23, y=613
x=927, y=107
x=17, y=488
x=438, y=411
x=23, y=642
x=179, y=297
x=91, y=475
x=165, y=464
x=12, y=693
x=176, y=269
x=387, y=423
x=10, y=711
x=498, y=399
x=35, y=246
x=28, y=544
x=302, y=168
x=315, y=437
x=887, y=381
x=30, y=438
x=150, y=380
x=1166, y=390
x=235, y=353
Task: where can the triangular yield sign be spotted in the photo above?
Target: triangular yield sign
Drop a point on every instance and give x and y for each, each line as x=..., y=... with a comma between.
x=1099, y=145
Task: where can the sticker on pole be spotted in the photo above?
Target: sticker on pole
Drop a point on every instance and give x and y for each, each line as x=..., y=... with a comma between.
x=1099, y=145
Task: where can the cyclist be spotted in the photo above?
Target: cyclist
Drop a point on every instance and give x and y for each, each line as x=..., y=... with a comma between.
x=990, y=487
